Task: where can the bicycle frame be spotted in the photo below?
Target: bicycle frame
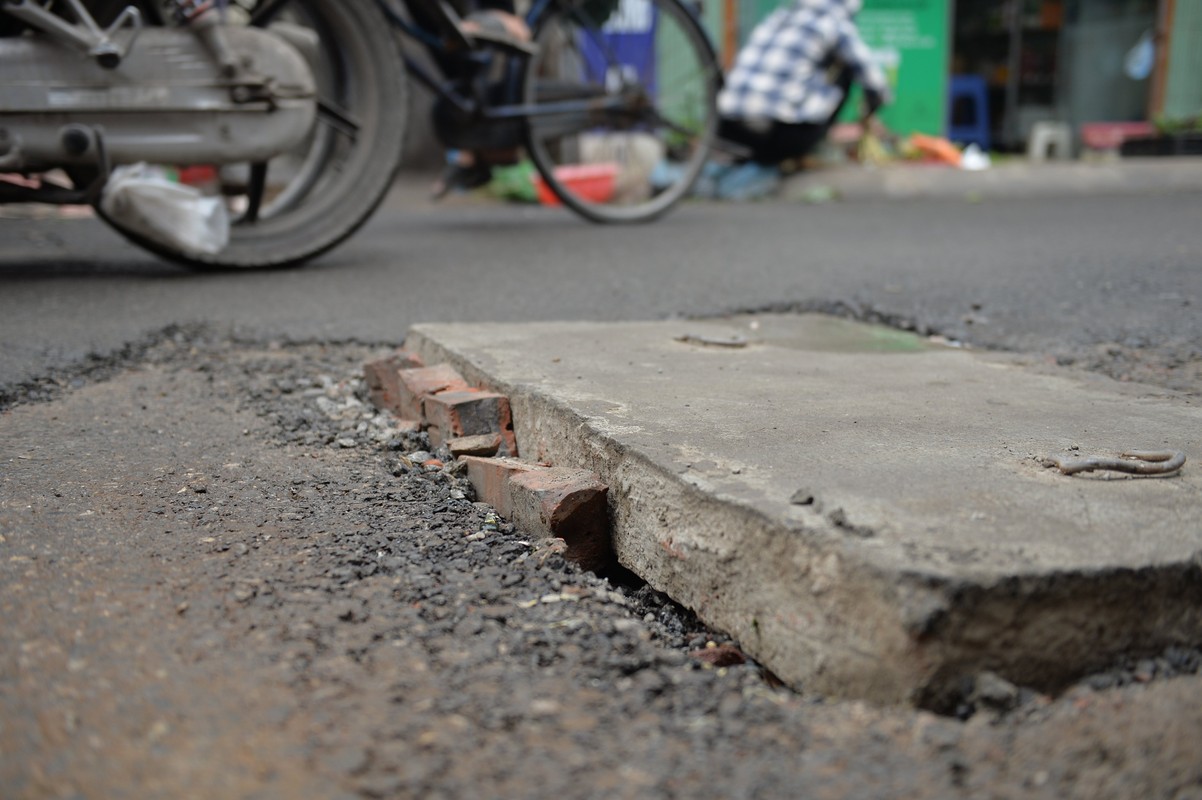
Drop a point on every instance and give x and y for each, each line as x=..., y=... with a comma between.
x=486, y=112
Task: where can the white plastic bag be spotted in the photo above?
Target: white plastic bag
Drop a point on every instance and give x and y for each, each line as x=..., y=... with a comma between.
x=139, y=198
x=975, y=159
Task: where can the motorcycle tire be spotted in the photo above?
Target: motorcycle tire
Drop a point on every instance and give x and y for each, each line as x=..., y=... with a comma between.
x=316, y=196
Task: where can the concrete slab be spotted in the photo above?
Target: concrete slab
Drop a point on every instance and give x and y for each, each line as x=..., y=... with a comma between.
x=867, y=513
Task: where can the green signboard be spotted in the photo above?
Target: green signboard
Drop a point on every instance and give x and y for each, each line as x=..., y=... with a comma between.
x=910, y=41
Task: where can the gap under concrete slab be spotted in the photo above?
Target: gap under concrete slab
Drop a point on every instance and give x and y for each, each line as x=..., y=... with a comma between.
x=868, y=514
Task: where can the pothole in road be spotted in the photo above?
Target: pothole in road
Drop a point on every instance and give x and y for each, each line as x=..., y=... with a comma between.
x=315, y=398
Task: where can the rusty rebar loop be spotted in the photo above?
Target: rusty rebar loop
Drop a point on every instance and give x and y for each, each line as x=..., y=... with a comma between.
x=1130, y=462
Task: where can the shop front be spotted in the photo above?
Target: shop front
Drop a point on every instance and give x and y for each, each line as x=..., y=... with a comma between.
x=1064, y=62
x=997, y=72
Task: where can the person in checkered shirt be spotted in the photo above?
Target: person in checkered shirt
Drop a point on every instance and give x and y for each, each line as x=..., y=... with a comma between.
x=789, y=82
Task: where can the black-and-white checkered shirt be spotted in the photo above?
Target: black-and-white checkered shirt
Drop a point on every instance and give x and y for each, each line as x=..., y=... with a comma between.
x=782, y=73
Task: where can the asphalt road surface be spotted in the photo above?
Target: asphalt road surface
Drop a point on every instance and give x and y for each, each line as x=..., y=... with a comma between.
x=222, y=575
x=1111, y=283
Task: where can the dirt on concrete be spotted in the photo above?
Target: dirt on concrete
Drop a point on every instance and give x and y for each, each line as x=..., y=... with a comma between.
x=223, y=575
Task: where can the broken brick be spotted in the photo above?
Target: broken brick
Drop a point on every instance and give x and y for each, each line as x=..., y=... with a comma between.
x=456, y=413
x=721, y=655
x=416, y=384
x=566, y=503
x=406, y=426
x=490, y=478
x=560, y=502
x=383, y=378
x=485, y=444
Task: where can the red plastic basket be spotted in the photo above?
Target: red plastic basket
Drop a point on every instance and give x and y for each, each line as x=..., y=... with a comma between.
x=593, y=182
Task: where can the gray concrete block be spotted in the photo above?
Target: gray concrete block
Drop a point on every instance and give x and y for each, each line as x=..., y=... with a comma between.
x=868, y=514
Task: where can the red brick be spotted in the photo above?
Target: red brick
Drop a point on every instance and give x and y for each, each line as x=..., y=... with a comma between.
x=485, y=444
x=416, y=384
x=407, y=426
x=722, y=655
x=383, y=378
x=567, y=503
x=544, y=501
x=490, y=478
x=452, y=414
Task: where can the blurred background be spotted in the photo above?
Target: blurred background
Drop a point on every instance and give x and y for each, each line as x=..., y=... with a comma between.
x=1055, y=79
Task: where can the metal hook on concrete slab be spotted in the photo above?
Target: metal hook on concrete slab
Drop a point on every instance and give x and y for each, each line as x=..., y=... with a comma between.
x=1131, y=462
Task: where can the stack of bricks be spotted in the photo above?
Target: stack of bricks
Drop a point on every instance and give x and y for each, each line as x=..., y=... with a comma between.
x=477, y=427
x=438, y=400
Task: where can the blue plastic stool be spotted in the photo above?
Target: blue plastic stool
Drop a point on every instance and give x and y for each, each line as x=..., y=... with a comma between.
x=968, y=110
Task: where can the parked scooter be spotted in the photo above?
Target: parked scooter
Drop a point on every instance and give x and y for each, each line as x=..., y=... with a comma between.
x=288, y=114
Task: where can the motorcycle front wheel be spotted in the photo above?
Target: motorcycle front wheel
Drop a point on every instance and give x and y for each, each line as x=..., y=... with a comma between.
x=302, y=203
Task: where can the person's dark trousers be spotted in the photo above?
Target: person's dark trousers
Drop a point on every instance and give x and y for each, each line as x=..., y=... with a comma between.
x=774, y=142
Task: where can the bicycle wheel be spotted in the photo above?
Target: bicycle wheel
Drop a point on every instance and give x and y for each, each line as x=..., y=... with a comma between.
x=625, y=95
x=305, y=201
